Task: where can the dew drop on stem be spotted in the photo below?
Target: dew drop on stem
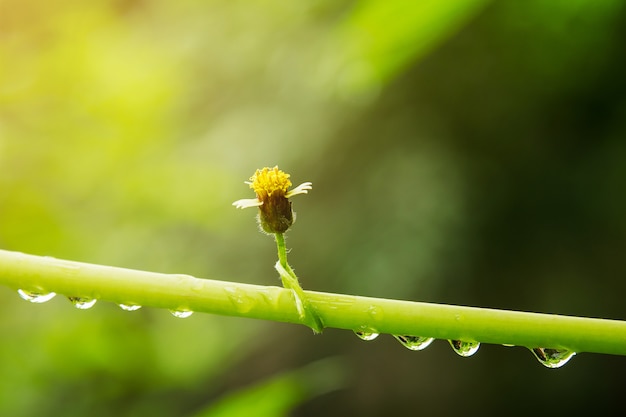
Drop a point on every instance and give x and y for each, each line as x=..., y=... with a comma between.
x=82, y=303
x=181, y=314
x=465, y=349
x=129, y=307
x=552, y=358
x=367, y=336
x=36, y=297
x=414, y=342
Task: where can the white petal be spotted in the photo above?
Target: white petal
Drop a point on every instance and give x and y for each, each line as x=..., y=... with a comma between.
x=300, y=189
x=247, y=202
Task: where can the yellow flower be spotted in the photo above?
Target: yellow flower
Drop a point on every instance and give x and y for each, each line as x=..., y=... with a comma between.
x=271, y=186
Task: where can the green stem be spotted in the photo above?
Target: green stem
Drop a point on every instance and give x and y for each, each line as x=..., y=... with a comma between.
x=176, y=291
x=282, y=249
x=290, y=281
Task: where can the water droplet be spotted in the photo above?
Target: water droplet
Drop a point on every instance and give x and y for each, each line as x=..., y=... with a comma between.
x=552, y=358
x=36, y=297
x=181, y=314
x=366, y=335
x=82, y=303
x=465, y=349
x=129, y=307
x=414, y=342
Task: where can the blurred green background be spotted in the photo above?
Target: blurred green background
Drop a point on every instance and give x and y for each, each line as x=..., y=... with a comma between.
x=465, y=152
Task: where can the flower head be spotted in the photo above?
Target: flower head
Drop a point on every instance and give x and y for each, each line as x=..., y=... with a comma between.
x=271, y=186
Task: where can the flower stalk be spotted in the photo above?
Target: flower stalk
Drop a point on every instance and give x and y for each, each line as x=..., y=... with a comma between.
x=271, y=186
x=290, y=281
